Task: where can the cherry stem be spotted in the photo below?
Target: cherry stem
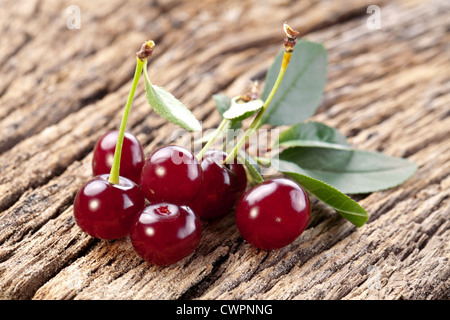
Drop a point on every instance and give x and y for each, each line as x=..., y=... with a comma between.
x=115, y=168
x=141, y=60
x=211, y=140
x=256, y=123
x=226, y=122
x=289, y=43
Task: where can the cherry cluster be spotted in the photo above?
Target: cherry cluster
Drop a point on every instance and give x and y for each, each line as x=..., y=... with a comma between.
x=160, y=201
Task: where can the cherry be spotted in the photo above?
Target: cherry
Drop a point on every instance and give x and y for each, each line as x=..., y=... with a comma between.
x=239, y=170
x=171, y=174
x=132, y=157
x=221, y=186
x=164, y=233
x=105, y=210
x=273, y=214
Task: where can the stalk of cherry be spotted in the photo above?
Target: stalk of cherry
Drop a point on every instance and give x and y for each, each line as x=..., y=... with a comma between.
x=275, y=212
x=105, y=206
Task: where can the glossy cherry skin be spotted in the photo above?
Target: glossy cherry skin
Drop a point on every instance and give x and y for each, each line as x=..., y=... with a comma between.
x=105, y=210
x=239, y=170
x=273, y=214
x=164, y=233
x=221, y=187
x=171, y=174
x=131, y=160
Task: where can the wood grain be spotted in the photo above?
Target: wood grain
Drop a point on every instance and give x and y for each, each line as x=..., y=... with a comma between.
x=388, y=89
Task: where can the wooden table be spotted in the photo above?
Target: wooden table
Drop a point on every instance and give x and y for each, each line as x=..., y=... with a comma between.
x=61, y=88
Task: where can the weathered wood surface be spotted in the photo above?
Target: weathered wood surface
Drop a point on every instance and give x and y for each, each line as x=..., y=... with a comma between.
x=60, y=90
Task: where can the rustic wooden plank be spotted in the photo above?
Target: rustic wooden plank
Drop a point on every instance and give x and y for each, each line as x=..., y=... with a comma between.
x=387, y=90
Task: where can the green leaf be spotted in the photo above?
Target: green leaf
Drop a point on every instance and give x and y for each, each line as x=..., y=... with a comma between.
x=170, y=108
x=344, y=205
x=252, y=171
x=223, y=102
x=265, y=162
x=312, y=134
x=239, y=111
x=348, y=170
x=302, y=87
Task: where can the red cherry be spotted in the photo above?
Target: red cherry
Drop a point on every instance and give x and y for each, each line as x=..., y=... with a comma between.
x=273, y=214
x=221, y=187
x=131, y=160
x=239, y=170
x=105, y=210
x=171, y=174
x=164, y=233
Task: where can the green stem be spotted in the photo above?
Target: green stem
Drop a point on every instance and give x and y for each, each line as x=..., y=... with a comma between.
x=146, y=73
x=256, y=123
x=218, y=131
x=115, y=168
